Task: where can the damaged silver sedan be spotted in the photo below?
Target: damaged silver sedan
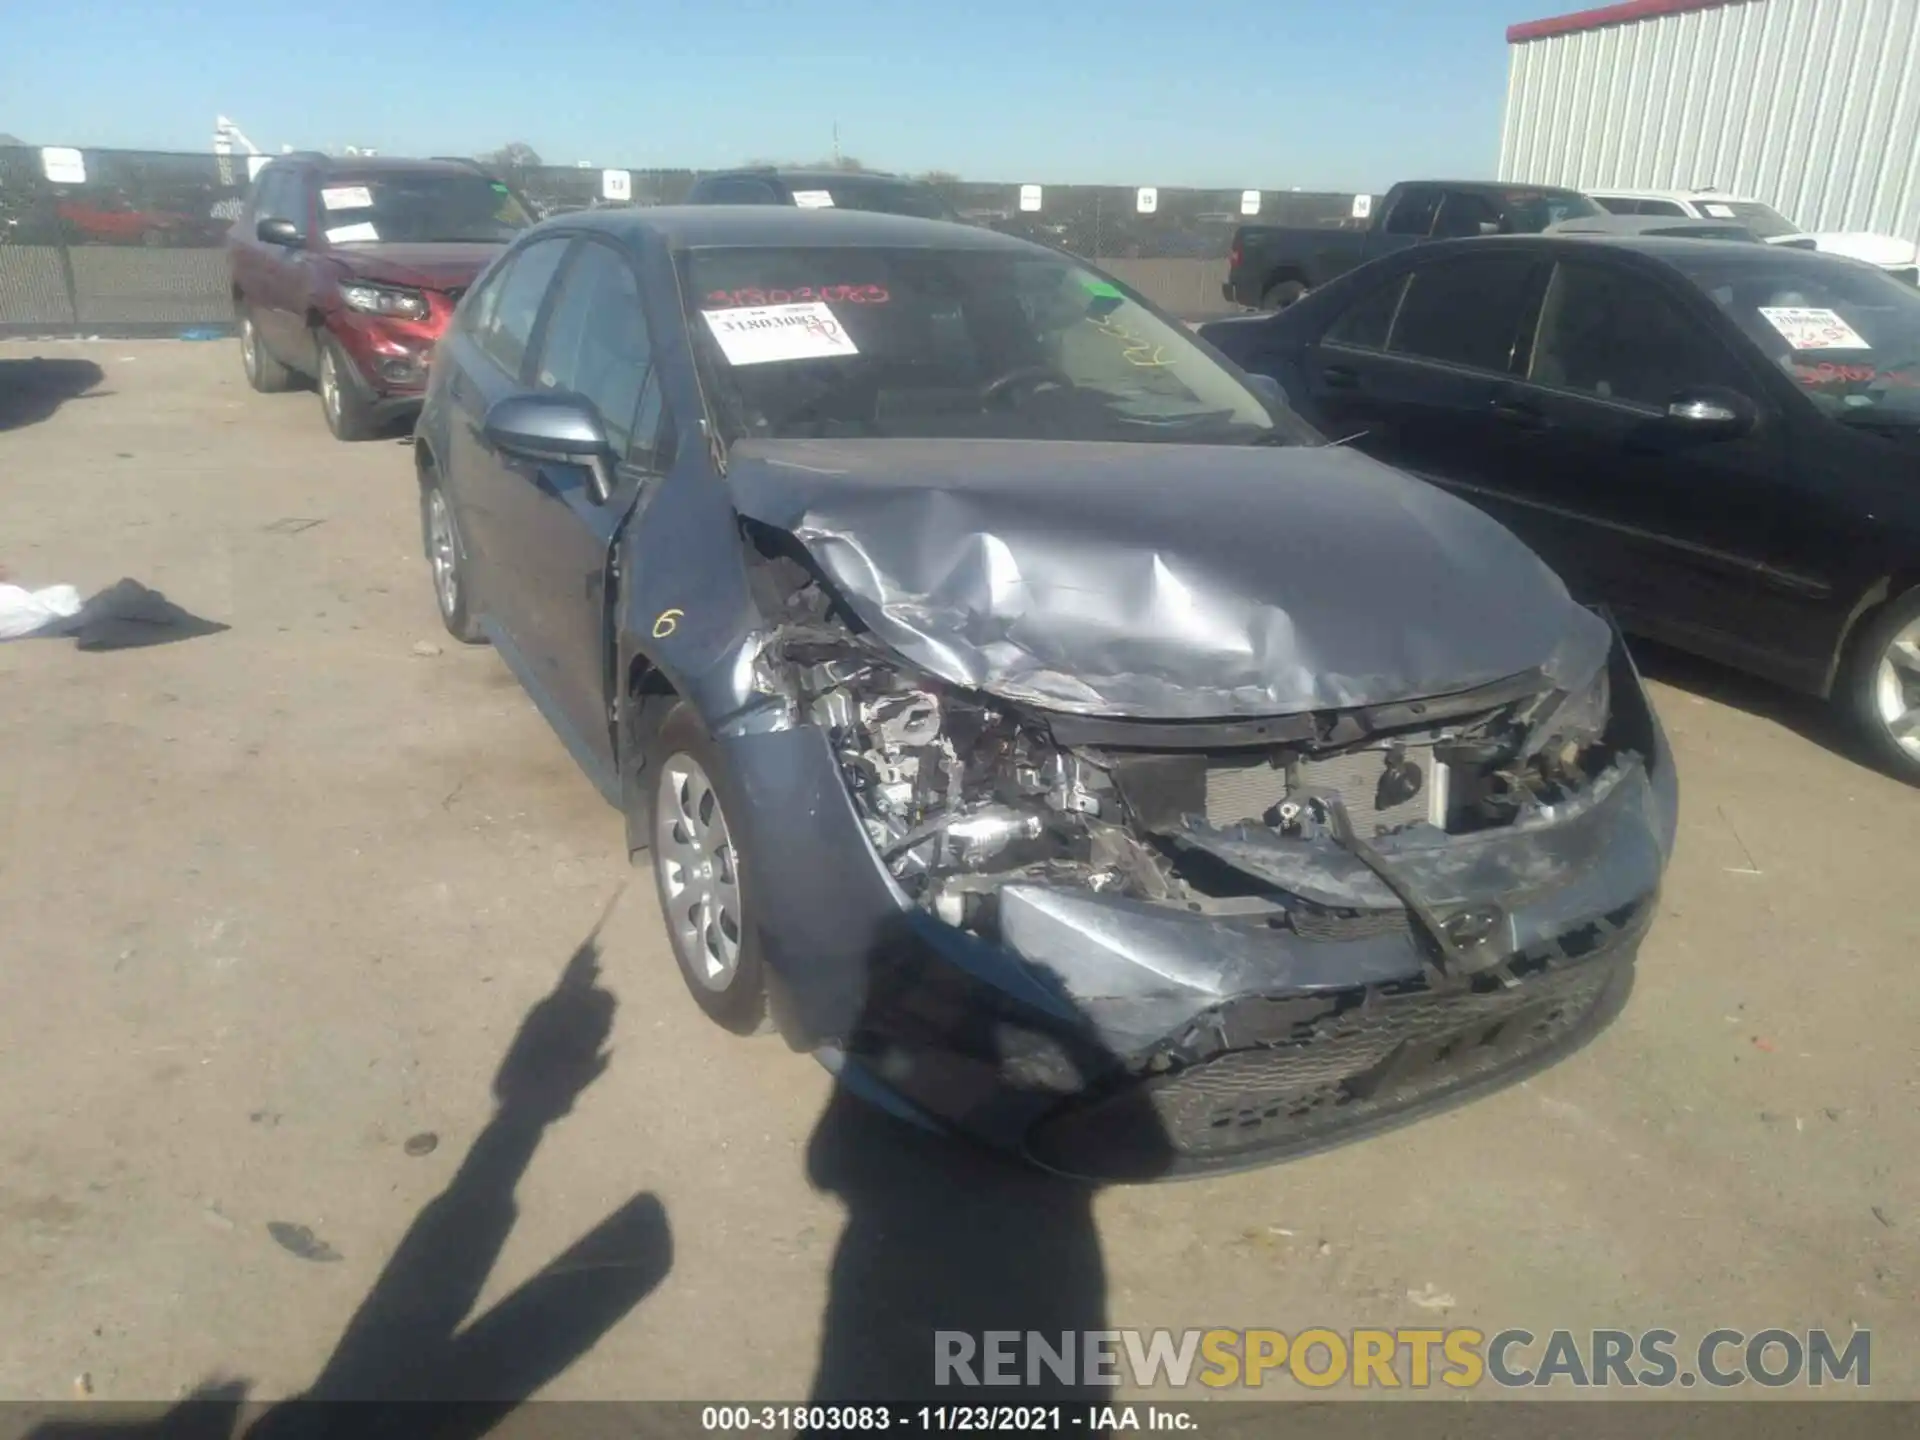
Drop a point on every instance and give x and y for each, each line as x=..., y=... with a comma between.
x=1019, y=709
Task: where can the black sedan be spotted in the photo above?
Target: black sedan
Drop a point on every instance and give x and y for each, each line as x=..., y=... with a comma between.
x=1721, y=442
x=1019, y=709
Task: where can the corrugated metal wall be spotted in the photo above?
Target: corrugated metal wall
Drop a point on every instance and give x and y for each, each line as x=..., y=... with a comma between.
x=1810, y=105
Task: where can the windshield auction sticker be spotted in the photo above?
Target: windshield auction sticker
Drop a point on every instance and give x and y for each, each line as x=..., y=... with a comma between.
x=347, y=197
x=1814, y=329
x=349, y=234
x=757, y=335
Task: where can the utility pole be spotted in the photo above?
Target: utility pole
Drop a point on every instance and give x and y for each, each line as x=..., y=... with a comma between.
x=836, y=144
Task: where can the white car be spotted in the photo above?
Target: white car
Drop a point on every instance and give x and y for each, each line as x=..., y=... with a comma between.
x=1899, y=257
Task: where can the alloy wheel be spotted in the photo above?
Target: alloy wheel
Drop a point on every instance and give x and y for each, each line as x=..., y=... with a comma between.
x=248, y=357
x=699, y=873
x=330, y=386
x=1896, y=688
x=440, y=547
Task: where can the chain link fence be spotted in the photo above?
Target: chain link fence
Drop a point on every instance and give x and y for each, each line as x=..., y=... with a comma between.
x=131, y=242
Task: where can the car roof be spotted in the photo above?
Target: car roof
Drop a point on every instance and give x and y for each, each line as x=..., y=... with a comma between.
x=1491, y=187
x=698, y=226
x=1642, y=225
x=1676, y=250
x=377, y=164
x=807, y=176
x=1690, y=197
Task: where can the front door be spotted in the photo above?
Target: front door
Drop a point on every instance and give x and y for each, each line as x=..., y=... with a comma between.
x=1681, y=531
x=594, y=344
x=276, y=282
x=491, y=363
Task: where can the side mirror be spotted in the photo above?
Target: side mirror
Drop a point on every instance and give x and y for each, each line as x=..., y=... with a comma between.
x=1268, y=389
x=279, y=232
x=555, y=427
x=1713, y=411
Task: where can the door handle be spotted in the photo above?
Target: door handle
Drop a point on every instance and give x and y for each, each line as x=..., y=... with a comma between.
x=1340, y=377
x=1518, y=414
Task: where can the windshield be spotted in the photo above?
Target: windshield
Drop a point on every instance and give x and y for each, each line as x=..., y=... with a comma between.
x=1528, y=212
x=887, y=197
x=1849, y=336
x=421, y=208
x=951, y=344
x=1762, y=220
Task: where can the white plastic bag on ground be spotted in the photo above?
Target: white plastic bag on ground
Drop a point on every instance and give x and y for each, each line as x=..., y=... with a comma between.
x=24, y=611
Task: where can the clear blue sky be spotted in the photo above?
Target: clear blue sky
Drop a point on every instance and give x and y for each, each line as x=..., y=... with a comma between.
x=1258, y=93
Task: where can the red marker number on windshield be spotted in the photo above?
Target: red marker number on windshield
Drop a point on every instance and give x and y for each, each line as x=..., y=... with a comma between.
x=843, y=294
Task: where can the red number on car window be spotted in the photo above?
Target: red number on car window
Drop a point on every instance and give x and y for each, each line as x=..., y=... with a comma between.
x=804, y=294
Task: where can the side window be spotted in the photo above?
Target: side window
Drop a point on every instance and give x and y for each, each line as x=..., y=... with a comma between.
x=1617, y=204
x=293, y=199
x=1413, y=211
x=477, y=308
x=1366, y=323
x=1465, y=311
x=510, y=324
x=1619, y=336
x=1463, y=214
x=596, y=344
x=1661, y=207
x=279, y=197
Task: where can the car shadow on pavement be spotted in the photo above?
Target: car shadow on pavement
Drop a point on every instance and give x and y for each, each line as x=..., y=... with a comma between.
x=406, y=1344
x=1806, y=715
x=31, y=390
x=943, y=1234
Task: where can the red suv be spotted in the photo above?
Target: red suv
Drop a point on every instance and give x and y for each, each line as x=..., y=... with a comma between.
x=347, y=270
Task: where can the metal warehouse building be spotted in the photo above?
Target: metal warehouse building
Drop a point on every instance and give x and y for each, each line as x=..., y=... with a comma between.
x=1810, y=105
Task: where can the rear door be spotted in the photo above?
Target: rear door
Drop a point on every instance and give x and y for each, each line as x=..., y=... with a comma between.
x=1410, y=371
x=595, y=343
x=1681, y=533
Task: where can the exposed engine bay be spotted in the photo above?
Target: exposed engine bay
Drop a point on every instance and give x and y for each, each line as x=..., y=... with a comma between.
x=962, y=794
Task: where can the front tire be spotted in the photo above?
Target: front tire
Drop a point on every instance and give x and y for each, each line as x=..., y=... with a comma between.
x=699, y=876
x=349, y=414
x=1883, y=687
x=264, y=373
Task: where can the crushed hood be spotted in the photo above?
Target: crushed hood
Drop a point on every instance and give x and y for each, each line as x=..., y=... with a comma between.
x=1168, y=581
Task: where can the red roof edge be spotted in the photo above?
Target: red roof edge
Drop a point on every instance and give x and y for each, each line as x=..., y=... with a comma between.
x=1606, y=15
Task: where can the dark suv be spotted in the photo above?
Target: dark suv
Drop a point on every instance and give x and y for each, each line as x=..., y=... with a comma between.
x=347, y=270
x=823, y=189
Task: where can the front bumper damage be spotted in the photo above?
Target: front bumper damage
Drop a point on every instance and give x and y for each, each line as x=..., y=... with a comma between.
x=1112, y=1038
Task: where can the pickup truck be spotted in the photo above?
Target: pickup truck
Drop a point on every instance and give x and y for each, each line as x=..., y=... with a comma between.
x=1271, y=266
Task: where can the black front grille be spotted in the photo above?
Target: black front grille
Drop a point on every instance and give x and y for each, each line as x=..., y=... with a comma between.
x=1365, y=1058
